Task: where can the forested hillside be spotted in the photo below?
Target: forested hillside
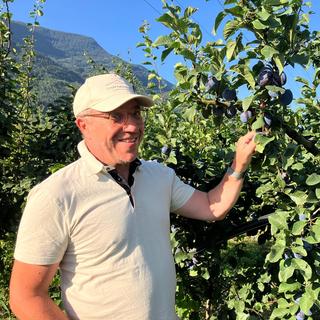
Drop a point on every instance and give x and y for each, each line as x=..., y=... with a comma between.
x=62, y=58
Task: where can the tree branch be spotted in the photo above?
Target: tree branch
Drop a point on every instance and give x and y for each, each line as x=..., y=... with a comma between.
x=310, y=146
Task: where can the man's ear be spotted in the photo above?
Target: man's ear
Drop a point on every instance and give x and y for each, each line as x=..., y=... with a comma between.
x=81, y=124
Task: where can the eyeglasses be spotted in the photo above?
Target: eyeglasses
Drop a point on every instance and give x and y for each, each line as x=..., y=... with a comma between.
x=116, y=117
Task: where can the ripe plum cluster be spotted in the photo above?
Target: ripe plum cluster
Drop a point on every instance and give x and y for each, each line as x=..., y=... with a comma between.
x=270, y=86
x=226, y=97
x=269, y=76
x=270, y=80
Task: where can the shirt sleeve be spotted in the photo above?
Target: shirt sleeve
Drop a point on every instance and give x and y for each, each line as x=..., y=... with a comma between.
x=43, y=234
x=181, y=193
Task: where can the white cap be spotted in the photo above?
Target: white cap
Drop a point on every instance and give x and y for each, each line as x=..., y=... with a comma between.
x=106, y=92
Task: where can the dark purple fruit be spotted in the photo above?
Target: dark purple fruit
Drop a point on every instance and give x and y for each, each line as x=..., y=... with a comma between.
x=285, y=177
x=265, y=77
x=218, y=111
x=165, y=150
x=267, y=120
x=212, y=84
x=245, y=116
x=229, y=94
x=206, y=111
x=231, y=111
x=276, y=79
x=286, y=98
x=283, y=78
x=279, y=80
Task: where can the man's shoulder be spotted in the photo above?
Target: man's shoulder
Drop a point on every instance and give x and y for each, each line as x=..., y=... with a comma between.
x=60, y=180
x=154, y=167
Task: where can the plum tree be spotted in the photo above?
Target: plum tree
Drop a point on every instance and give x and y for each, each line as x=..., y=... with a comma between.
x=279, y=37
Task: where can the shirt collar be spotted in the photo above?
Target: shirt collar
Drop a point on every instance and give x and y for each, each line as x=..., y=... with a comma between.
x=95, y=166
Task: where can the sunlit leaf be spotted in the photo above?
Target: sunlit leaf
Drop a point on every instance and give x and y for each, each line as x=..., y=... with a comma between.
x=313, y=179
x=217, y=22
x=230, y=28
x=268, y=52
x=299, y=197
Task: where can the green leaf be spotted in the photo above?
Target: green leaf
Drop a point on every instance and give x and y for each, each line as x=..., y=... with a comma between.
x=189, y=11
x=313, y=179
x=193, y=273
x=298, y=227
x=245, y=72
x=286, y=271
x=297, y=166
x=303, y=266
x=230, y=28
x=217, y=22
x=188, y=54
x=278, y=221
x=301, y=59
x=306, y=302
x=259, y=123
x=276, y=252
x=299, y=197
x=268, y=52
x=165, y=53
x=257, y=24
x=262, y=141
x=279, y=313
x=205, y=275
x=302, y=80
x=163, y=41
x=315, y=232
x=166, y=19
x=318, y=193
x=280, y=61
x=264, y=15
x=231, y=46
x=190, y=114
x=285, y=287
x=275, y=89
x=181, y=256
x=246, y=102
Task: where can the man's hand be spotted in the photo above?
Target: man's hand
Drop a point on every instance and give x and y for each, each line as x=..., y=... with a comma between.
x=245, y=148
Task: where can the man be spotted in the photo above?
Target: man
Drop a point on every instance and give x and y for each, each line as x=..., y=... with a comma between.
x=104, y=219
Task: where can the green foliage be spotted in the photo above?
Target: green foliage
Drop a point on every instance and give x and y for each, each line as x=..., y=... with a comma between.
x=6, y=256
x=270, y=274
x=196, y=136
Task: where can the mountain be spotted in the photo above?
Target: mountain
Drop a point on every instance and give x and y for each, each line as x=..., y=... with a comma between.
x=60, y=60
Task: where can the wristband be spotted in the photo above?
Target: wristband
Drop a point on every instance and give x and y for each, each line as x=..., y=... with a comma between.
x=235, y=174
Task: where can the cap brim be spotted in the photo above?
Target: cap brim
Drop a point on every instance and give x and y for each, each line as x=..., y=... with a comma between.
x=117, y=101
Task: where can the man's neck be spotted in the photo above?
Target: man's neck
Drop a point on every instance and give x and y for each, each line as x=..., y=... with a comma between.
x=123, y=170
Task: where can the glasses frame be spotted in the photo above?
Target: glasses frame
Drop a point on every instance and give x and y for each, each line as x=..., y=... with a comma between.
x=122, y=118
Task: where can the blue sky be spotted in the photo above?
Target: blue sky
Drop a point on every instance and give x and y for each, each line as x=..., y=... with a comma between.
x=114, y=24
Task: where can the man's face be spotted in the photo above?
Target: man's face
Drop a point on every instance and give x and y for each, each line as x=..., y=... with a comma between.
x=114, y=137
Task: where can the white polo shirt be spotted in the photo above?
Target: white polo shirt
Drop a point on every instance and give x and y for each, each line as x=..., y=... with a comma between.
x=116, y=260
